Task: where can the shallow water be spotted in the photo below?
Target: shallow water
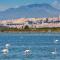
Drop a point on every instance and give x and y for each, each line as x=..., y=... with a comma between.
x=40, y=44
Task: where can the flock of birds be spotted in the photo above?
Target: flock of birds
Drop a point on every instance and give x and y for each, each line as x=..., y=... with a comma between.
x=5, y=51
x=27, y=52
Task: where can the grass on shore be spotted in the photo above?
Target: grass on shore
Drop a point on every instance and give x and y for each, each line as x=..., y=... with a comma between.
x=54, y=29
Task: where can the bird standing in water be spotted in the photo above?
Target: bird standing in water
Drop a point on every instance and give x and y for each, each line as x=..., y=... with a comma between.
x=27, y=52
x=5, y=51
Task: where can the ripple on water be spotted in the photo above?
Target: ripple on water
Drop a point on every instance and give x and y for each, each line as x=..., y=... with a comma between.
x=41, y=46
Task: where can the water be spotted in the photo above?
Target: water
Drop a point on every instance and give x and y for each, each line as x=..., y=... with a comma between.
x=40, y=44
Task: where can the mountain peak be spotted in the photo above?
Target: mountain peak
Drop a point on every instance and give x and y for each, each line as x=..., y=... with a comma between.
x=29, y=11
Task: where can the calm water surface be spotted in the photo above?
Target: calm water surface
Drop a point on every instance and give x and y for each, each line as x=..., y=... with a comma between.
x=40, y=44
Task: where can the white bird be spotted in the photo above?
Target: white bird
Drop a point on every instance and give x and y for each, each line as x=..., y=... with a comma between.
x=5, y=51
x=7, y=45
x=56, y=41
x=55, y=52
x=27, y=52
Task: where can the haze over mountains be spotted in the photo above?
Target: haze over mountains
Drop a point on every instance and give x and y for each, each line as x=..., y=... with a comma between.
x=29, y=11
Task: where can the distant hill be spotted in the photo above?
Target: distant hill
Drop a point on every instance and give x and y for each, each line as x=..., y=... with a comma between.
x=32, y=10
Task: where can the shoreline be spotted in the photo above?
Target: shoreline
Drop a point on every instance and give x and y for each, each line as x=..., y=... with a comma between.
x=30, y=30
x=22, y=34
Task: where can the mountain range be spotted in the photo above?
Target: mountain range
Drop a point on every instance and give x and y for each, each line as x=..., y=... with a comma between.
x=30, y=11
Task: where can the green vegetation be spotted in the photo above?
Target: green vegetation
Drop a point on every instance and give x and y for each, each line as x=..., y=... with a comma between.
x=26, y=27
x=30, y=29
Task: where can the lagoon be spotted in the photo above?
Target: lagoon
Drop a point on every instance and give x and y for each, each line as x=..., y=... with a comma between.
x=40, y=44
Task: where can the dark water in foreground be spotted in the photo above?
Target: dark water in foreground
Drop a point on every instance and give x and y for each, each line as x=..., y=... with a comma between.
x=41, y=46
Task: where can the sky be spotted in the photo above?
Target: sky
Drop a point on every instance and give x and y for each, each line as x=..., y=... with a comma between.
x=5, y=4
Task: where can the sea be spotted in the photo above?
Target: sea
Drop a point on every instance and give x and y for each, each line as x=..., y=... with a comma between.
x=29, y=46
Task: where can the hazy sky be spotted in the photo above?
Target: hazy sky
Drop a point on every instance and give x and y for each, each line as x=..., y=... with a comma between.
x=5, y=4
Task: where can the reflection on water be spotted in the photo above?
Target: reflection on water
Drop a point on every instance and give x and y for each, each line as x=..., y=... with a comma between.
x=29, y=47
